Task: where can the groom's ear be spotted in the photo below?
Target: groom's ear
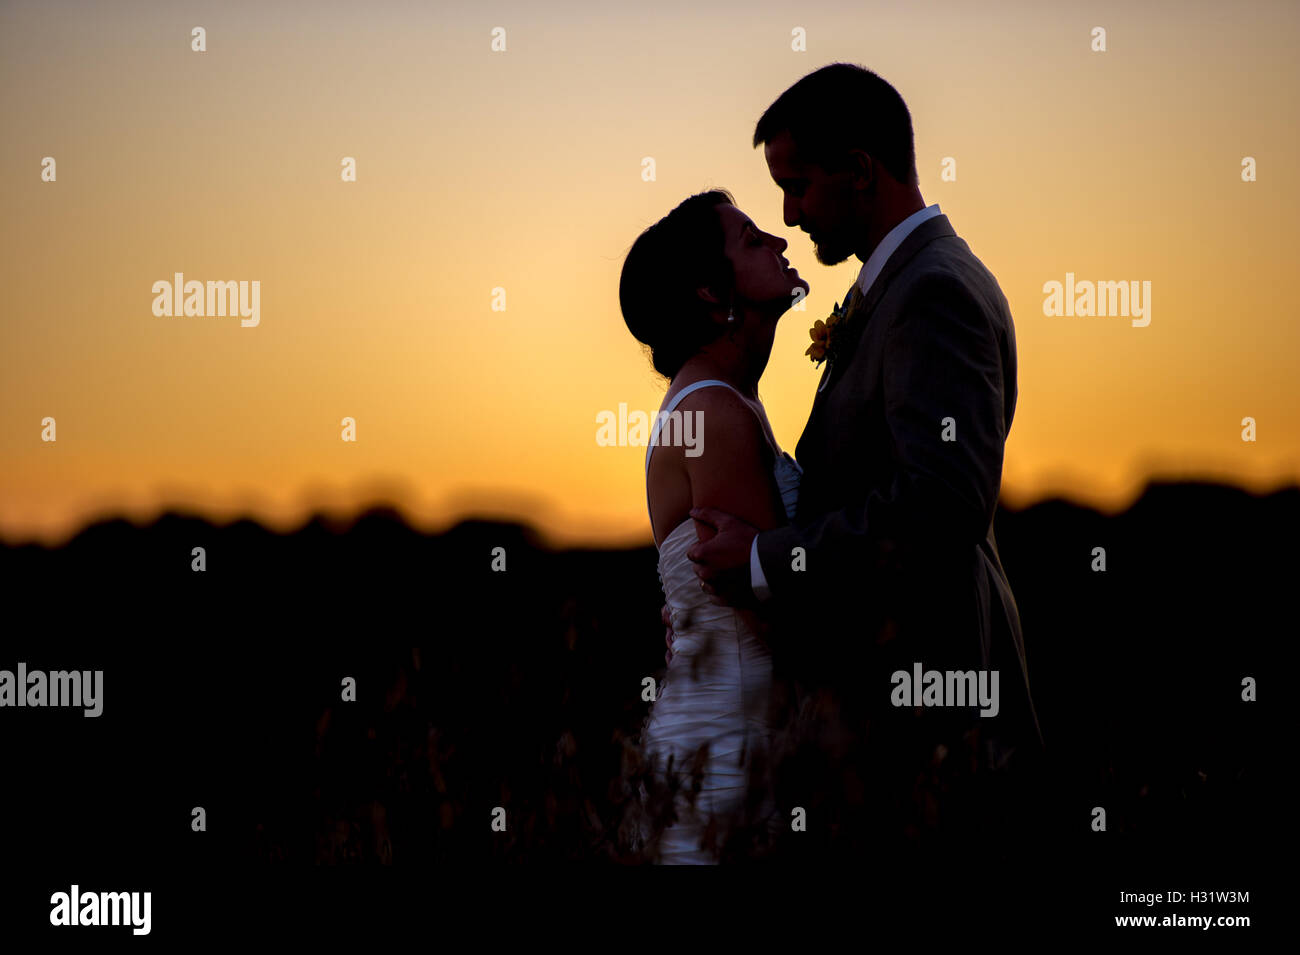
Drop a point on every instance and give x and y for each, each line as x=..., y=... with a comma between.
x=862, y=167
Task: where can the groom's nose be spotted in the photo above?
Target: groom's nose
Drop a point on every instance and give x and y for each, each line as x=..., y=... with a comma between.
x=790, y=210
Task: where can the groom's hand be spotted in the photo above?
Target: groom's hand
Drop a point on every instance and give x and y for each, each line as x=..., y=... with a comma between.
x=722, y=559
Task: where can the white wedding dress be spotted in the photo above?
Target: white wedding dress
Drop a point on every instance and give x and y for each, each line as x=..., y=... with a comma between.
x=717, y=688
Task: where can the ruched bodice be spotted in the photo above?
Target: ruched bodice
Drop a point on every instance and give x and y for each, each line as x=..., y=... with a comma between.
x=715, y=694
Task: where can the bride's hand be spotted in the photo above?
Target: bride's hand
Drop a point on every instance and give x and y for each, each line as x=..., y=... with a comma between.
x=667, y=618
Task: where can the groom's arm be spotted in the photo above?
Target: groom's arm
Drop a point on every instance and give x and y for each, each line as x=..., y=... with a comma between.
x=942, y=359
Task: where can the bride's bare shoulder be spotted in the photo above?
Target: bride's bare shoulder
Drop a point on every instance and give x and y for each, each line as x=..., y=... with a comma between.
x=724, y=421
x=725, y=403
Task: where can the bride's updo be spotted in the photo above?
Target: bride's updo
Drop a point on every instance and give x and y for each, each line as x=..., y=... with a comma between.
x=682, y=252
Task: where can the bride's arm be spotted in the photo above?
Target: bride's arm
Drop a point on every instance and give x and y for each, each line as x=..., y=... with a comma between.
x=733, y=473
x=734, y=469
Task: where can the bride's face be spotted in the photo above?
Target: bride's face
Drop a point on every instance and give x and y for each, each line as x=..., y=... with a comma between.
x=763, y=274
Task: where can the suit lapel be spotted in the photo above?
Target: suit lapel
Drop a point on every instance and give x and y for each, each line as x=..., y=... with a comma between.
x=861, y=307
x=916, y=240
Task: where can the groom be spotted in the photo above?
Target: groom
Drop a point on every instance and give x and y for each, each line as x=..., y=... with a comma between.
x=891, y=561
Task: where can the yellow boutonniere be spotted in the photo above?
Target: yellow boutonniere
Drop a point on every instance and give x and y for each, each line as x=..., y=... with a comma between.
x=820, y=333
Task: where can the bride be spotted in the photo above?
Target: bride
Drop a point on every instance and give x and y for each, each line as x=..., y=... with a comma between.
x=704, y=288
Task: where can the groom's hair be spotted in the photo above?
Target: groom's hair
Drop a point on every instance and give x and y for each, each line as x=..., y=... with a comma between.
x=682, y=252
x=841, y=107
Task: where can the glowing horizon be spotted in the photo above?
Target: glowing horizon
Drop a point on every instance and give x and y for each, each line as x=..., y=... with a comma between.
x=479, y=170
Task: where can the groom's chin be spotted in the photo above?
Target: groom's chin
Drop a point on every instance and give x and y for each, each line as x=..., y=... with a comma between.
x=829, y=256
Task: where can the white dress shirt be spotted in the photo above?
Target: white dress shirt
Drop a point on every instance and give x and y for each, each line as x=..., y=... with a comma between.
x=866, y=278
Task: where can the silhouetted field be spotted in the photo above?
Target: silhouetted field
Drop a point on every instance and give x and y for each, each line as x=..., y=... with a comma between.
x=517, y=689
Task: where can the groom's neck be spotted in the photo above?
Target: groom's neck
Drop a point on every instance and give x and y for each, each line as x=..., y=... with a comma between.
x=893, y=208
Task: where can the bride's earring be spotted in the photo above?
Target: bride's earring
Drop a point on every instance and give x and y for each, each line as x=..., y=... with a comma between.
x=731, y=315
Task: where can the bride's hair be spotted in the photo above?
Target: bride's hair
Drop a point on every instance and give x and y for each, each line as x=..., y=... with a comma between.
x=682, y=252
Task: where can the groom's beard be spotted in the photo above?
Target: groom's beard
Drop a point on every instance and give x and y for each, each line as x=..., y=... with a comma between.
x=830, y=255
x=831, y=251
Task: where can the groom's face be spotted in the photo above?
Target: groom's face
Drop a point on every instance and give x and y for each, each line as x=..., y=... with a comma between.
x=816, y=201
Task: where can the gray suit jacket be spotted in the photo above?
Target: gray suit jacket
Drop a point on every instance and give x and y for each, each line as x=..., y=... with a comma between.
x=895, y=522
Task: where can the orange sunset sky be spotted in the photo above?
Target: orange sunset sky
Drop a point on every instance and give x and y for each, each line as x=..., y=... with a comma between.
x=521, y=170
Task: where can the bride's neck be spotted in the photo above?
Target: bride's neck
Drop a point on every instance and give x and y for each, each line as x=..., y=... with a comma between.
x=728, y=363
